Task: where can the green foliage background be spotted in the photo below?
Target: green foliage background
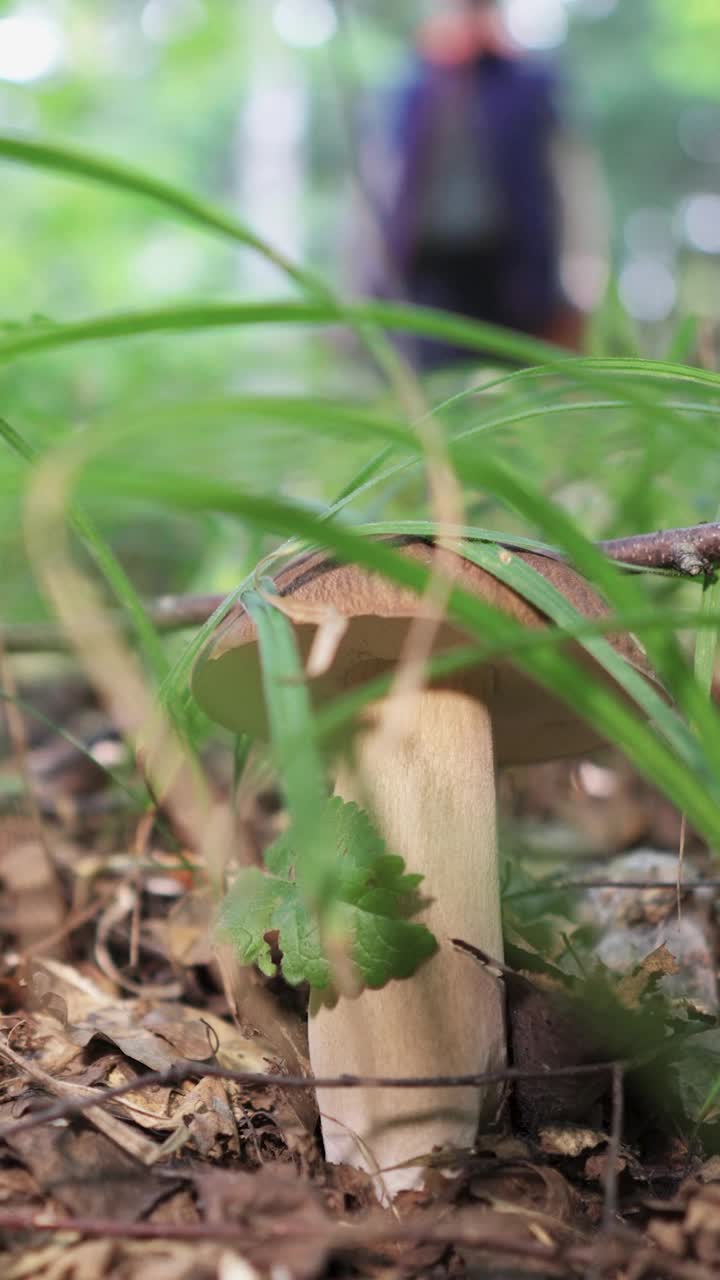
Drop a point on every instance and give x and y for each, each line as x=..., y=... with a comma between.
x=199, y=410
x=175, y=108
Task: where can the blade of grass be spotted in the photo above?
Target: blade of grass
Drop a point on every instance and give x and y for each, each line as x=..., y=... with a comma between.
x=291, y=722
x=530, y=584
x=330, y=417
x=109, y=565
x=141, y=801
x=706, y=641
x=198, y=317
x=343, y=710
x=697, y=793
x=74, y=163
x=664, y=651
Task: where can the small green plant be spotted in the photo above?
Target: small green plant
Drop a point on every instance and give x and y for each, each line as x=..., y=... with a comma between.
x=373, y=897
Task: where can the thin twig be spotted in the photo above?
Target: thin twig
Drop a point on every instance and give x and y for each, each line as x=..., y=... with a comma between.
x=690, y=551
x=167, y=613
x=344, y=1236
x=560, y=886
x=610, y=1178
x=340, y=1235
x=687, y=551
x=612, y=1154
x=126, y=1137
x=183, y=1070
x=17, y=734
x=74, y=922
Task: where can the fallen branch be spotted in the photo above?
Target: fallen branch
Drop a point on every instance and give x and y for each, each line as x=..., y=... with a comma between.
x=643, y=886
x=340, y=1236
x=690, y=552
x=184, y=1070
x=167, y=613
x=628, y=1250
x=127, y=1138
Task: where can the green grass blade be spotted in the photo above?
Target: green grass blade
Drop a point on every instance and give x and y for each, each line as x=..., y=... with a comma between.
x=425, y=322
x=73, y=163
x=291, y=721
x=620, y=590
x=697, y=793
x=324, y=416
x=138, y=799
x=530, y=584
x=706, y=642
x=109, y=565
x=428, y=323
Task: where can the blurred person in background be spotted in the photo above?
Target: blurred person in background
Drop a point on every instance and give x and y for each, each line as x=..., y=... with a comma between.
x=488, y=191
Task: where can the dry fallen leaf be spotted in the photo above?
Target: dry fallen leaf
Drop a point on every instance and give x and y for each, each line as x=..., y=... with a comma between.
x=569, y=1140
x=270, y=1205
x=87, y=1173
x=160, y=1035
x=596, y=1167
x=205, y=1120
x=658, y=964
x=702, y=1223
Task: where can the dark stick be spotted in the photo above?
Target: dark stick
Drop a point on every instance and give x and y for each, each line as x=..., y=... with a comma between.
x=337, y=1236
x=610, y=1178
x=610, y=1204
x=645, y=886
x=167, y=613
x=631, y=1248
x=182, y=1071
x=691, y=552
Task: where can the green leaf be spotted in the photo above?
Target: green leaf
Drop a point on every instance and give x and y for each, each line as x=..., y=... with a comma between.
x=706, y=641
x=698, y=1077
x=107, y=562
x=695, y=791
x=71, y=162
x=291, y=721
x=375, y=895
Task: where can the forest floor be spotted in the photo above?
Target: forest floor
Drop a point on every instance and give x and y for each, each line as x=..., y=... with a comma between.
x=216, y=1169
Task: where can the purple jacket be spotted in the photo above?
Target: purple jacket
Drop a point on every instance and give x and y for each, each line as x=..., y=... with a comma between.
x=516, y=113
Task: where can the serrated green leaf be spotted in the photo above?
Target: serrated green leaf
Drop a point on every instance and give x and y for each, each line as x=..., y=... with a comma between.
x=247, y=914
x=375, y=895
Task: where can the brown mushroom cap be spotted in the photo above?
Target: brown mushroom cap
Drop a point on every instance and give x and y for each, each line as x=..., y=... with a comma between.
x=529, y=722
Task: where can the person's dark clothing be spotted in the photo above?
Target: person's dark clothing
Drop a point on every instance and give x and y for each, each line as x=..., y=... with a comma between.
x=473, y=225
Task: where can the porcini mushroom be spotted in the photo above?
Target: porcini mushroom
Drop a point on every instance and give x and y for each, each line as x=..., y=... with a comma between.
x=432, y=796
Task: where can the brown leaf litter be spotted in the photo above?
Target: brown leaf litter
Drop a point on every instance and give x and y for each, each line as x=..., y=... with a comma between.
x=108, y=973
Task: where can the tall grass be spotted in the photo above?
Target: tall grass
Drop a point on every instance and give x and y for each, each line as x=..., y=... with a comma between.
x=548, y=449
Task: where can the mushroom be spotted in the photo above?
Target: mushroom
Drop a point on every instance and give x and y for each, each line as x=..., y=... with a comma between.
x=432, y=796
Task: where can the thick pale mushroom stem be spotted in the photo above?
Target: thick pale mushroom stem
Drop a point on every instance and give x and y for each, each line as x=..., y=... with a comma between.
x=432, y=794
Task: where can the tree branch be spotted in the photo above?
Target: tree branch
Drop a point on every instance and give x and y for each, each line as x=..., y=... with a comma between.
x=167, y=613
x=339, y=1236
x=620, y=1251
x=689, y=552
x=181, y=1071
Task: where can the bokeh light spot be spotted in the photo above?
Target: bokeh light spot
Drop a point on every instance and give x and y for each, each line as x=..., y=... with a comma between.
x=701, y=222
x=647, y=289
x=305, y=24
x=650, y=231
x=165, y=20
x=30, y=47
x=699, y=133
x=537, y=24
